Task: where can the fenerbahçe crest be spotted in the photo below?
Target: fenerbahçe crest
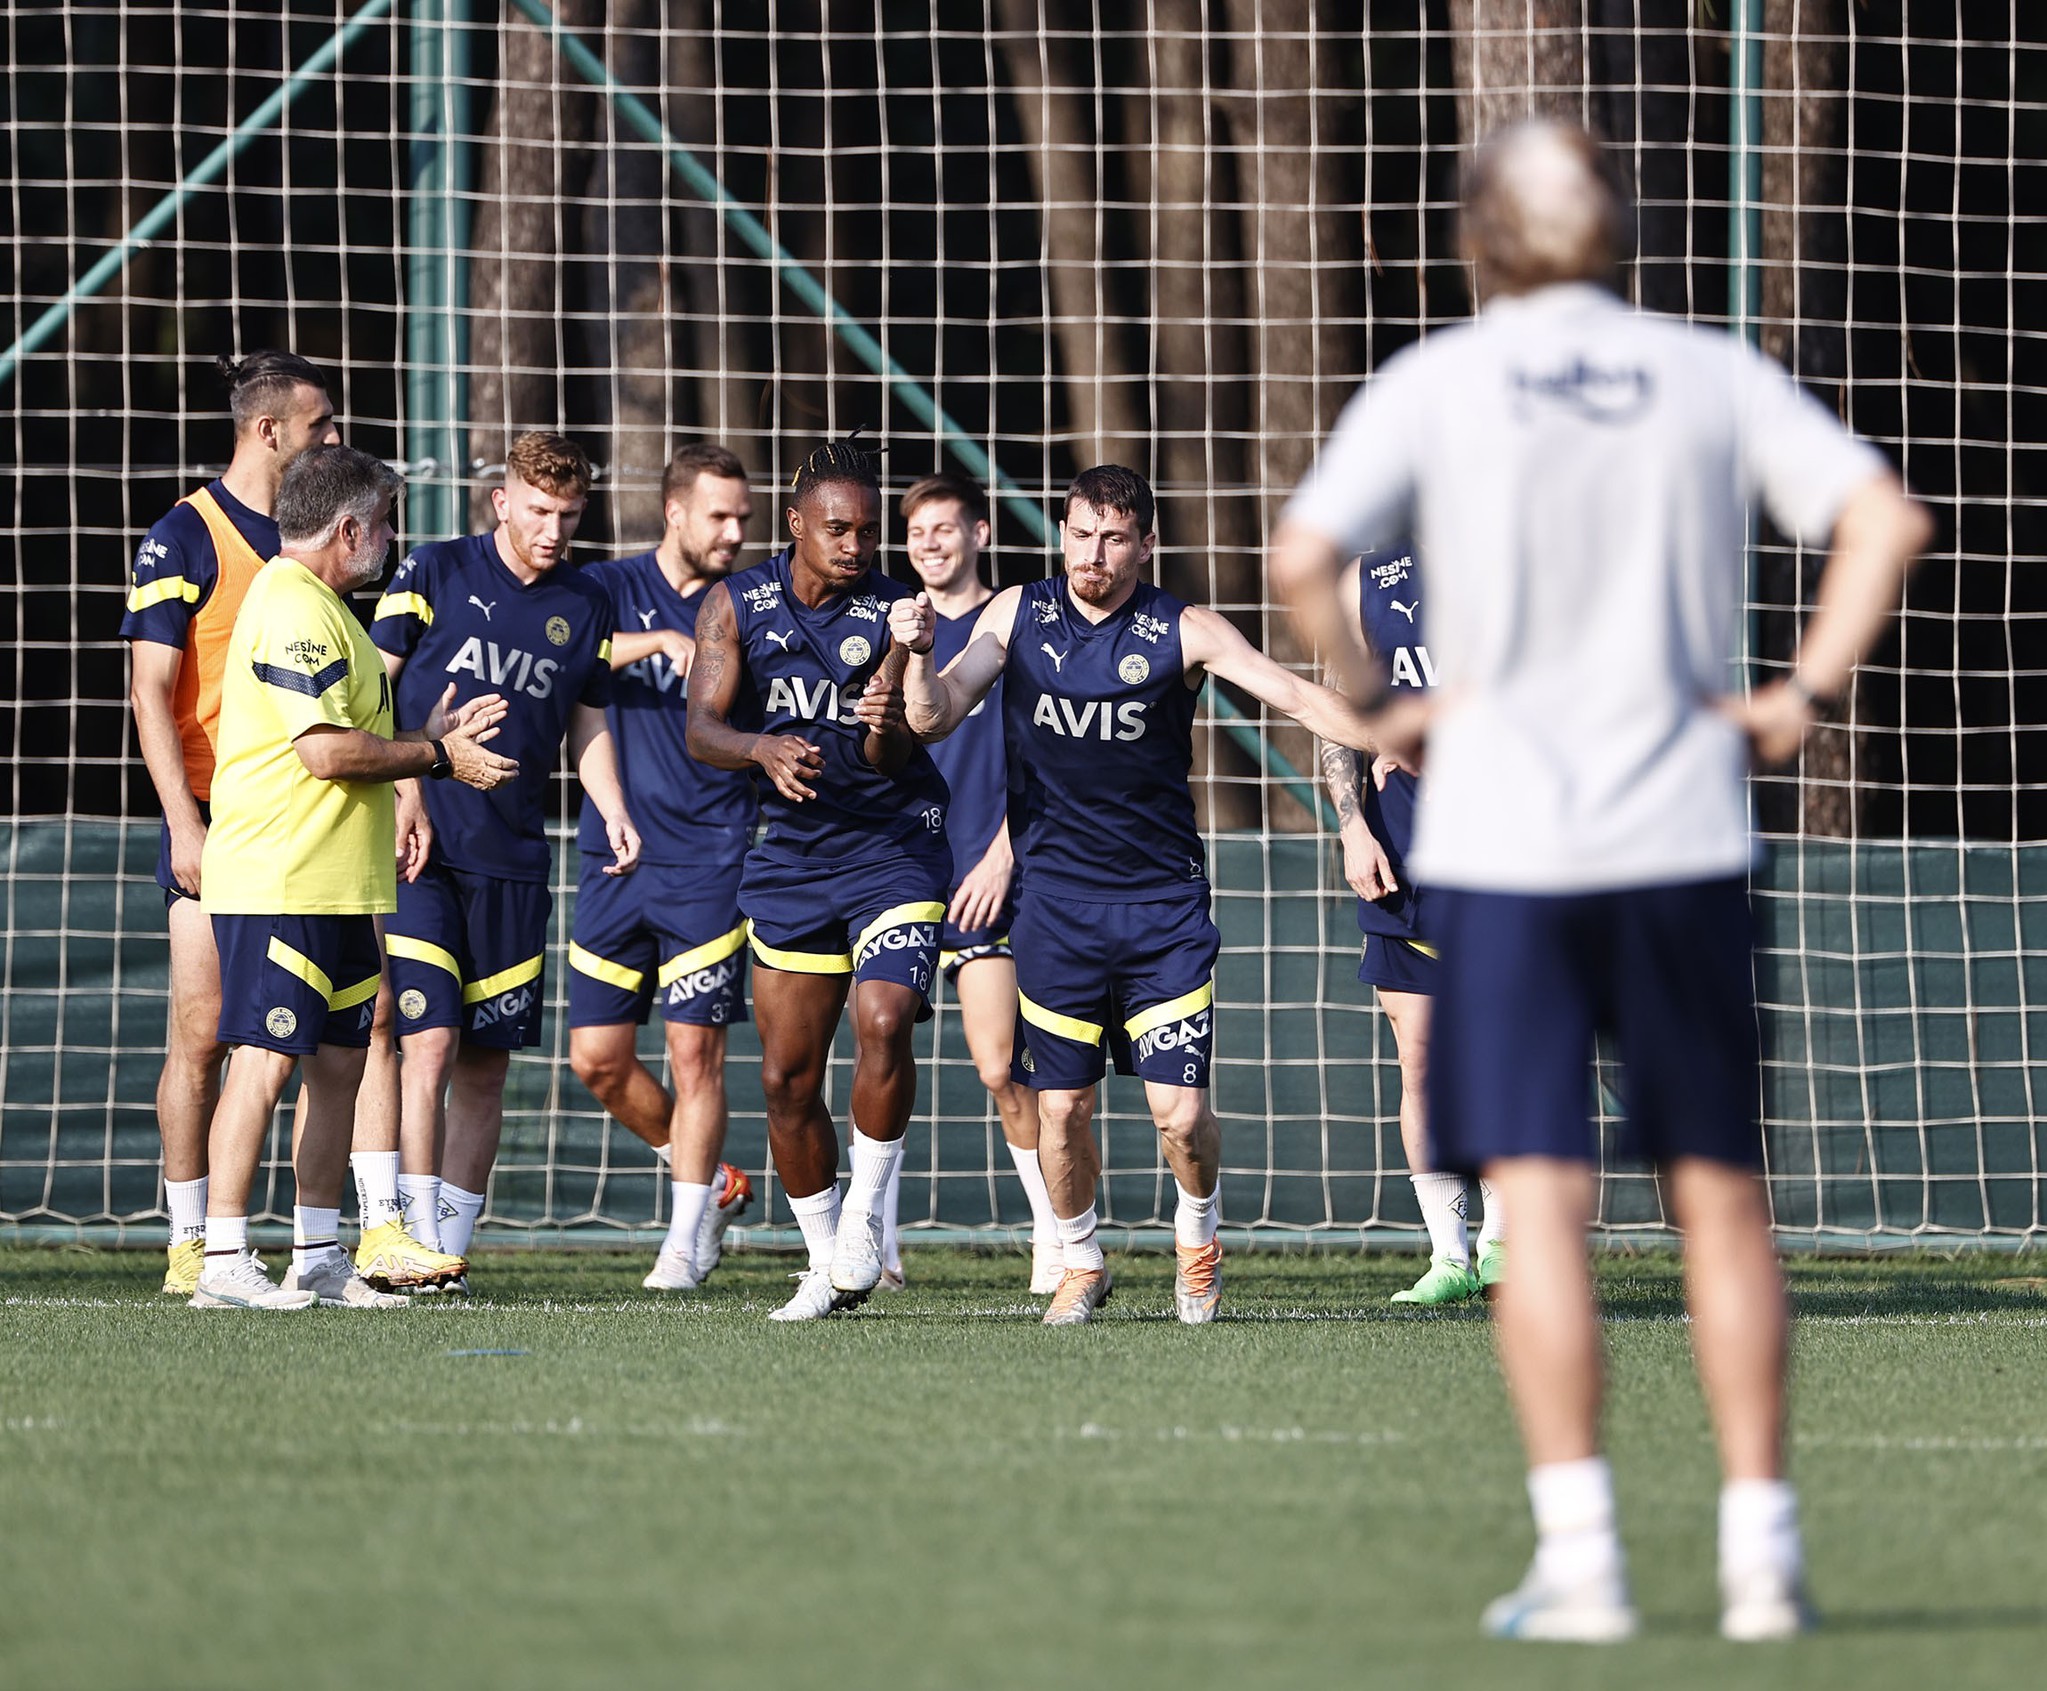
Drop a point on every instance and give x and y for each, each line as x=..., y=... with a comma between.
x=1135, y=668
x=558, y=630
x=854, y=650
x=281, y=1023
x=412, y=1004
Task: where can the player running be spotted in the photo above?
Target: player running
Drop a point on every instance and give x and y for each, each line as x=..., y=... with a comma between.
x=847, y=886
x=672, y=928
x=1375, y=821
x=492, y=612
x=945, y=531
x=1112, y=933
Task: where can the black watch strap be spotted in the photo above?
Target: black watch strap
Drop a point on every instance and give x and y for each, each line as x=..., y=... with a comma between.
x=443, y=765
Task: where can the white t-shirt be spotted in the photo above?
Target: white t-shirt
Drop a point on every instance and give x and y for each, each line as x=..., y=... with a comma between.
x=1576, y=476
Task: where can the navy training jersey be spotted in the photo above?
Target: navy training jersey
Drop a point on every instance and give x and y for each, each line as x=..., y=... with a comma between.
x=1099, y=720
x=971, y=757
x=803, y=670
x=1390, y=611
x=455, y=612
x=686, y=811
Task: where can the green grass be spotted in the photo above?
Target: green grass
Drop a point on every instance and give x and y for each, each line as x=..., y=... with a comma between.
x=942, y=1494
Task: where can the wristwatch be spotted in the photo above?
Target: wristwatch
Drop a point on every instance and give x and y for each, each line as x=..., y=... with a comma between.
x=443, y=765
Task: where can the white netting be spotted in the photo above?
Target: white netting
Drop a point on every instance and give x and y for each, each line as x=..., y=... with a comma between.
x=1173, y=234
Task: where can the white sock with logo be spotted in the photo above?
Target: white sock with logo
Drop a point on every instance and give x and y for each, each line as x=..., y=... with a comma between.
x=1194, y=1219
x=690, y=1200
x=818, y=1216
x=1576, y=1543
x=419, y=1196
x=1443, y=1201
x=875, y=1163
x=1080, y=1246
x=891, y=1202
x=314, y=1233
x=186, y=1200
x=459, y=1210
x=1044, y=1221
x=1492, y=1230
x=376, y=1187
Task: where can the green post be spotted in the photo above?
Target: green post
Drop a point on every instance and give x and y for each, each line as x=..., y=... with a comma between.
x=435, y=275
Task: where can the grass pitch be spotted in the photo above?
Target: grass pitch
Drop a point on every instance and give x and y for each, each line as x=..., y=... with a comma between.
x=571, y=1482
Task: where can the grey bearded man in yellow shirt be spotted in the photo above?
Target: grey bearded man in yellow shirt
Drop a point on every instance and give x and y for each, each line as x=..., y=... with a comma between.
x=299, y=855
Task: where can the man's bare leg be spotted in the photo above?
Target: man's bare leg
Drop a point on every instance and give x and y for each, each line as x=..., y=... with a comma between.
x=476, y=1120
x=1192, y=1140
x=986, y=989
x=606, y=1059
x=189, y=1087
x=426, y=1067
x=884, y=1094
x=696, y=1134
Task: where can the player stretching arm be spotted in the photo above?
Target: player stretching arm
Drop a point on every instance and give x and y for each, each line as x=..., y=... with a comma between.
x=1114, y=945
x=847, y=886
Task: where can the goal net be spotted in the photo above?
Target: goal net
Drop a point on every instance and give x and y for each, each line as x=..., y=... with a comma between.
x=1021, y=237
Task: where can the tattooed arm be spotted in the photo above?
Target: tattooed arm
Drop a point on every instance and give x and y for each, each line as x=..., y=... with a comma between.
x=1365, y=864
x=713, y=690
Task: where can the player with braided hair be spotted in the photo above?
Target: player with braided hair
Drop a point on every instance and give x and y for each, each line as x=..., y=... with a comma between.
x=845, y=893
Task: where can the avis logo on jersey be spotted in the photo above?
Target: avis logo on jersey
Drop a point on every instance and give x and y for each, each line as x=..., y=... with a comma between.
x=1090, y=719
x=505, y=667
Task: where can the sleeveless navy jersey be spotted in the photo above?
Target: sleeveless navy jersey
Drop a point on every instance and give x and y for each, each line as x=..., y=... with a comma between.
x=455, y=612
x=970, y=757
x=1099, y=722
x=685, y=811
x=802, y=672
x=1390, y=611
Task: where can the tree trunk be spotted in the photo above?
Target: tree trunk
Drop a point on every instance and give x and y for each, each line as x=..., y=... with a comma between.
x=535, y=162
x=1517, y=59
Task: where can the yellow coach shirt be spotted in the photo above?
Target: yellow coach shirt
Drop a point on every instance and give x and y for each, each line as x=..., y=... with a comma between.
x=283, y=842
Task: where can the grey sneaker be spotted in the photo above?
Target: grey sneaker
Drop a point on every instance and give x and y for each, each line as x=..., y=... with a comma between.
x=238, y=1282
x=335, y=1281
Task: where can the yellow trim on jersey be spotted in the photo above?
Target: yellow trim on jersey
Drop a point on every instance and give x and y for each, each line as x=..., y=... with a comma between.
x=1428, y=951
x=404, y=604
x=504, y=980
x=361, y=993
x=702, y=956
x=1067, y=1027
x=164, y=587
x=422, y=951
x=603, y=969
x=1171, y=1011
x=800, y=962
x=298, y=963
x=604, y=649
x=901, y=916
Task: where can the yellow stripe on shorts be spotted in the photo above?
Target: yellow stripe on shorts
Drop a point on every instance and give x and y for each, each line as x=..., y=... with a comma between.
x=349, y=997
x=603, y=969
x=1067, y=1027
x=299, y=964
x=800, y=962
x=703, y=956
x=1428, y=951
x=504, y=980
x=422, y=951
x=1171, y=1011
x=900, y=917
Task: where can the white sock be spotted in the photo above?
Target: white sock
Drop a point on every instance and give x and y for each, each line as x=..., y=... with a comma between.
x=314, y=1232
x=875, y=1162
x=690, y=1201
x=186, y=1200
x=818, y=1216
x=376, y=1187
x=1759, y=1528
x=419, y=1195
x=1079, y=1245
x=1044, y=1223
x=1194, y=1219
x=459, y=1210
x=1574, y=1521
x=891, y=1202
x=1492, y=1230
x=665, y=1155
x=227, y=1235
x=1443, y=1200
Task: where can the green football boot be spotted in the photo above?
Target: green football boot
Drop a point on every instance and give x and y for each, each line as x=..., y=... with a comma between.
x=1492, y=1268
x=1448, y=1281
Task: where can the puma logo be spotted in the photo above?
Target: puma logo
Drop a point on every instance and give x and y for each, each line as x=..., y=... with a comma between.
x=1058, y=658
x=481, y=606
x=1405, y=610
x=781, y=640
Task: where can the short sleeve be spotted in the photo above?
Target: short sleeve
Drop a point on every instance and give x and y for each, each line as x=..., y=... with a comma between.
x=597, y=684
x=1801, y=461
x=406, y=611
x=299, y=649
x=173, y=574
x=1361, y=491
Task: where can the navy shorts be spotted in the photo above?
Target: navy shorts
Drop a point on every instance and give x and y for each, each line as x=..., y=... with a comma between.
x=295, y=983
x=958, y=946
x=469, y=951
x=664, y=932
x=1527, y=982
x=172, y=892
x=875, y=918
x=1399, y=963
x=1133, y=981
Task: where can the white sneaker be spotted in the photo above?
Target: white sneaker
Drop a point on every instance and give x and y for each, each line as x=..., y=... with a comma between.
x=1763, y=1605
x=891, y=1280
x=455, y=1288
x=238, y=1282
x=1596, y=1612
x=815, y=1298
x=729, y=1200
x=856, y=1254
x=1048, y=1264
x=334, y=1281
x=674, y=1271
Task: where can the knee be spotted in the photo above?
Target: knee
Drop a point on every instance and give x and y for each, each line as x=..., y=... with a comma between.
x=884, y=1030
x=1063, y=1114
x=789, y=1088
x=995, y=1077
x=596, y=1064
x=195, y=1035
x=1183, y=1123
